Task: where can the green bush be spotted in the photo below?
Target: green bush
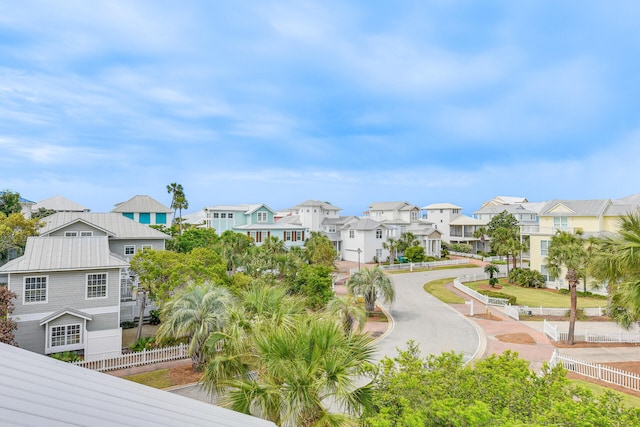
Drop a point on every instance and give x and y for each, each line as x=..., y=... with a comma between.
x=587, y=294
x=67, y=356
x=143, y=344
x=127, y=324
x=154, y=317
x=527, y=278
x=494, y=294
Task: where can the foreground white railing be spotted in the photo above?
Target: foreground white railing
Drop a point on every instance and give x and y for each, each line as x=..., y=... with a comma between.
x=622, y=337
x=145, y=357
x=600, y=372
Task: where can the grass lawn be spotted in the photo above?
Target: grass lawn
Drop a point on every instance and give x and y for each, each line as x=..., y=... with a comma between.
x=444, y=267
x=156, y=379
x=129, y=335
x=533, y=297
x=438, y=290
x=629, y=400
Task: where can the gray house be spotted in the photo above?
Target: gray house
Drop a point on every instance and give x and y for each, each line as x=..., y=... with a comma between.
x=73, y=282
x=68, y=296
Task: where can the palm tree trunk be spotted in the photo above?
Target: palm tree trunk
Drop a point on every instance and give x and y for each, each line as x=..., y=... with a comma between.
x=143, y=302
x=572, y=314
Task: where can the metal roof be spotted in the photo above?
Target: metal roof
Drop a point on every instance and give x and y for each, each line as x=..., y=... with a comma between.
x=501, y=208
x=466, y=220
x=576, y=207
x=60, y=204
x=117, y=225
x=37, y=390
x=141, y=204
x=324, y=205
x=391, y=206
x=365, y=224
x=441, y=206
x=64, y=253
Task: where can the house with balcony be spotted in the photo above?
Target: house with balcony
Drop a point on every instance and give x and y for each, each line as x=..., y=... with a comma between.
x=145, y=210
x=453, y=225
x=256, y=221
x=595, y=218
x=403, y=217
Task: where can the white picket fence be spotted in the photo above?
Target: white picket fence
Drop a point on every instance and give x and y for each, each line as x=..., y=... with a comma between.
x=600, y=372
x=426, y=264
x=457, y=283
x=621, y=337
x=145, y=357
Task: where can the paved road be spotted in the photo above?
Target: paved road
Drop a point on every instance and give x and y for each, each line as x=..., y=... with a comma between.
x=418, y=316
x=421, y=317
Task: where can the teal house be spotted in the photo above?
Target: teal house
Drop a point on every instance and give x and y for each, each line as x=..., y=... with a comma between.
x=145, y=210
x=256, y=221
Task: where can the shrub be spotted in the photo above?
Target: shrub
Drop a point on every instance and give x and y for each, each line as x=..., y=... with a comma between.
x=527, y=278
x=461, y=247
x=143, y=344
x=580, y=314
x=415, y=253
x=154, y=317
x=67, y=356
x=127, y=324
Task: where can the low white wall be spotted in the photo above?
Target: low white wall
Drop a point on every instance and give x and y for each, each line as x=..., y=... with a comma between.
x=103, y=344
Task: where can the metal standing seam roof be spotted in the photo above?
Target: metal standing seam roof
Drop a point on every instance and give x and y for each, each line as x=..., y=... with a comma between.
x=275, y=226
x=59, y=203
x=365, y=224
x=119, y=226
x=141, y=204
x=441, y=206
x=37, y=390
x=578, y=207
x=311, y=203
x=65, y=253
x=466, y=220
x=512, y=209
x=390, y=206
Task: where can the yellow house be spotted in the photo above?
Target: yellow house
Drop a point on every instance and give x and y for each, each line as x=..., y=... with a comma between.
x=593, y=217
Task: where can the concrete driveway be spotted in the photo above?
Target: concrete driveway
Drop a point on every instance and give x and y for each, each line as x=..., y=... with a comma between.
x=420, y=317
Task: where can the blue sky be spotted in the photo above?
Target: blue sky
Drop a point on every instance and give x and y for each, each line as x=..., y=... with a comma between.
x=352, y=102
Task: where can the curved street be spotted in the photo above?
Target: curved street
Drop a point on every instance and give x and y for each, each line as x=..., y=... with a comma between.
x=417, y=316
x=421, y=317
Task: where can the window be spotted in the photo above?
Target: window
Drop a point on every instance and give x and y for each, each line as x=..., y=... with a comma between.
x=97, y=285
x=129, y=250
x=161, y=218
x=127, y=215
x=216, y=215
x=70, y=234
x=86, y=233
x=414, y=215
x=145, y=218
x=35, y=289
x=544, y=270
x=403, y=229
x=287, y=236
x=223, y=215
x=378, y=234
x=230, y=215
x=65, y=335
x=299, y=236
x=379, y=254
x=561, y=223
x=544, y=247
x=146, y=247
x=352, y=234
x=262, y=217
x=331, y=229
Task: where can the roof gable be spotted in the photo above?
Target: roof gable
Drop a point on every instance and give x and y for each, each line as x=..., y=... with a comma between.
x=60, y=204
x=141, y=204
x=117, y=225
x=64, y=254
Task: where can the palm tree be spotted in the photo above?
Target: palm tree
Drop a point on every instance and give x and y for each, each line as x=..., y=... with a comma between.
x=298, y=372
x=178, y=202
x=617, y=262
x=369, y=283
x=567, y=250
x=481, y=233
x=492, y=269
x=195, y=313
x=392, y=246
x=348, y=311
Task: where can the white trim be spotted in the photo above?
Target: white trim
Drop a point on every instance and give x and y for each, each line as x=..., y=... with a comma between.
x=37, y=317
x=106, y=286
x=24, y=290
x=129, y=246
x=67, y=347
x=71, y=233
